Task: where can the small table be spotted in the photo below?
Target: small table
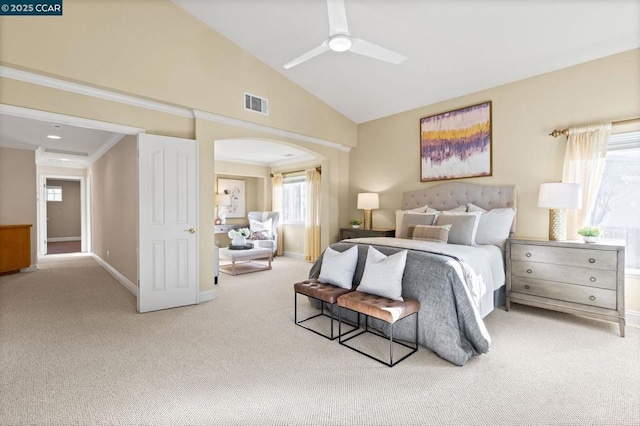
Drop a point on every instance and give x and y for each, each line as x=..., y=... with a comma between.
x=346, y=233
x=245, y=257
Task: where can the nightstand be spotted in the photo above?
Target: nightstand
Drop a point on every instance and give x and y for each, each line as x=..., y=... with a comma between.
x=568, y=276
x=346, y=233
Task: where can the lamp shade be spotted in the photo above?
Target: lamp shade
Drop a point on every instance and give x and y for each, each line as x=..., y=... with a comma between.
x=560, y=196
x=368, y=201
x=223, y=200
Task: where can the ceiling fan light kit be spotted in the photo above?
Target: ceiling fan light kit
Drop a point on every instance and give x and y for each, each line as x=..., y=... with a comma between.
x=340, y=40
x=340, y=43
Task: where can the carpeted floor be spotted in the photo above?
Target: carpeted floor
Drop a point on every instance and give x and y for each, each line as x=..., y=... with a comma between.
x=74, y=351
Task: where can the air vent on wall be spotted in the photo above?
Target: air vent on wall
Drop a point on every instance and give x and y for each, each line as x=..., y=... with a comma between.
x=255, y=103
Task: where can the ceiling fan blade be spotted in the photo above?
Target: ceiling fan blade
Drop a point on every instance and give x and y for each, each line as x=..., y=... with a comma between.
x=366, y=48
x=337, y=17
x=306, y=56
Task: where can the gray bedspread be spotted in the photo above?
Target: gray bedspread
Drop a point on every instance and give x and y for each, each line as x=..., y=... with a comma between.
x=449, y=324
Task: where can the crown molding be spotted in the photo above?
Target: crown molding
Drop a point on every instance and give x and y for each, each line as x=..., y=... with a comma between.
x=216, y=118
x=68, y=119
x=82, y=89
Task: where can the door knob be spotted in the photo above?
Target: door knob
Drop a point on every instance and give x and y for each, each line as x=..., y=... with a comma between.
x=191, y=230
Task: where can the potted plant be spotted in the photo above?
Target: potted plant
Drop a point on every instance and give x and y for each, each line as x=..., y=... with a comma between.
x=239, y=236
x=355, y=223
x=590, y=234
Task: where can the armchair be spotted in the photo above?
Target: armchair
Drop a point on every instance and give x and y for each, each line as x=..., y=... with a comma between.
x=265, y=223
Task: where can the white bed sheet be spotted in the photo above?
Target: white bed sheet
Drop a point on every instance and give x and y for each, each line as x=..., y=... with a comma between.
x=485, y=262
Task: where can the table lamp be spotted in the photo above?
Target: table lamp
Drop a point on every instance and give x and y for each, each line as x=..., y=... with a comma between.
x=557, y=197
x=368, y=201
x=222, y=201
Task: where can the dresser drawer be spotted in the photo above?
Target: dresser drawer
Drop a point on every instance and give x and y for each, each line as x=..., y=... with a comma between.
x=599, y=297
x=569, y=274
x=584, y=258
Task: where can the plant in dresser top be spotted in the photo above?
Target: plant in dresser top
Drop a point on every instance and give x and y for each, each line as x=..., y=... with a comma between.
x=568, y=276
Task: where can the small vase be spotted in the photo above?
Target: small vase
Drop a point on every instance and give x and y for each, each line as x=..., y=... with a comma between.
x=355, y=226
x=239, y=241
x=590, y=239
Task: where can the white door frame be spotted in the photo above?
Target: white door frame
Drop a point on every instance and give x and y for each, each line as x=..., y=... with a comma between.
x=42, y=211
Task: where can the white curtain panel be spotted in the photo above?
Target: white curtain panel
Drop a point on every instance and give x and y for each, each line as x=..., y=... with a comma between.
x=276, y=206
x=584, y=161
x=312, y=225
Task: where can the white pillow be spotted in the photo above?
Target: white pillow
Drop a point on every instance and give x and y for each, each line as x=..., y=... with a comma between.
x=413, y=219
x=257, y=226
x=494, y=226
x=338, y=268
x=464, y=226
x=400, y=215
x=383, y=274
x=459, y=209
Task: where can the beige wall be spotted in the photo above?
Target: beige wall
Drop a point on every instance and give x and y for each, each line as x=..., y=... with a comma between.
x=63, y=218
x=157, y=51
x=293, y=237
x=18, y=191
x=114, y=209
x=387, y=157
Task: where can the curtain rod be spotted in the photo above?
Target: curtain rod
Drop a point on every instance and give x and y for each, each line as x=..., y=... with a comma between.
x=319, y=170
x=565, y=132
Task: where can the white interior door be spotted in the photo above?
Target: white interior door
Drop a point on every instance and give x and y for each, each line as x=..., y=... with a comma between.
x=168, y=212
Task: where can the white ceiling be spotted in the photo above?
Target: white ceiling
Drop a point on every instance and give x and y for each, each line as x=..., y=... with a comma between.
x=454, y=47
x=77, y=146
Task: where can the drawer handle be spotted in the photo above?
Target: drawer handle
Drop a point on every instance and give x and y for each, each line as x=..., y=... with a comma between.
x=593, y=279
x=529, y=271
x=592, y=260
x=527, y=286
x=592, y=298
x=528, y=254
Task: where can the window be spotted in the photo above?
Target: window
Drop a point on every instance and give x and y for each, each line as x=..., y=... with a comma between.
x=295, y=199
x=54, y=193
x=618, y=201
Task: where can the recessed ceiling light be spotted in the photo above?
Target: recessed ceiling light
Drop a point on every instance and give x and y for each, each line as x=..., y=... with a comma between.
x=53, y=137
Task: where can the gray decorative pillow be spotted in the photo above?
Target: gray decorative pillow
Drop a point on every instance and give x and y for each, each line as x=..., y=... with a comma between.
x=464, y=226
x=436, y=234
x=382, y=274
x=259, y=235
x=414, y=219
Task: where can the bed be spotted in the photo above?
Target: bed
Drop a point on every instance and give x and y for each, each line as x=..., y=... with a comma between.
x=457, y=285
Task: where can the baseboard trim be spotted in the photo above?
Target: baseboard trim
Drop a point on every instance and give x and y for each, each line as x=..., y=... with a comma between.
x=31, y=268
x=62, y=239
x=117, y=275
x=632, y=318
x=294, y=255
x=206, y=296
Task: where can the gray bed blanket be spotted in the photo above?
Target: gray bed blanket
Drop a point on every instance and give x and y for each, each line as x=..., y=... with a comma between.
x=449, y=323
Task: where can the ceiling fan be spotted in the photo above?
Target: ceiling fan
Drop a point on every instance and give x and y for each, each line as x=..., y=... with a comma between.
x=340, y=40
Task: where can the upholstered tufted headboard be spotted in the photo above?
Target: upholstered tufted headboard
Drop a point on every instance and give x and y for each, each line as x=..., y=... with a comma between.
x=453, y=194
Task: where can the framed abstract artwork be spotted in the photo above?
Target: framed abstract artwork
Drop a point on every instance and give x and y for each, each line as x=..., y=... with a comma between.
x=235, y=188
x=456, y=144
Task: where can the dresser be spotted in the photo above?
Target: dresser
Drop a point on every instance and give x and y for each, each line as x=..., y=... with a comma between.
x=568, y=276
x=15, y=247
x=346, y=233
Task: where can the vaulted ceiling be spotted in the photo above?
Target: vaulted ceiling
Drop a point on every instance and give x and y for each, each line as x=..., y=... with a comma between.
x=454, y=47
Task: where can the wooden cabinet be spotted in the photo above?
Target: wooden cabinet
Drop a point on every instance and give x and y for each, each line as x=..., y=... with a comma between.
x=346, y=233
x=568, y=276
x=15, y=247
